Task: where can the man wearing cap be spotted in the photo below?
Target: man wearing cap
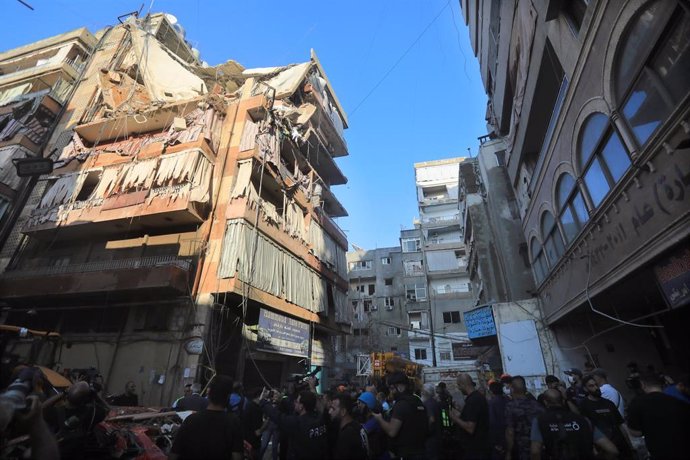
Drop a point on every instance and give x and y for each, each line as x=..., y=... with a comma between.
x=368, y=405
x=575, y=394
x=408, y=425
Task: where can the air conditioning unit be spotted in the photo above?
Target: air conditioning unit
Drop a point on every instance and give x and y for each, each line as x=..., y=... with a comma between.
x=374, y=308
x=412, y=297
x=416, y=324
x=389, y=308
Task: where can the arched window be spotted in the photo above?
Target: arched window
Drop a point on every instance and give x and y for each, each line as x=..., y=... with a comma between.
x=553, y=244
x=572, y=212
x=538, y=261
x=652, y=68
x=602, y=158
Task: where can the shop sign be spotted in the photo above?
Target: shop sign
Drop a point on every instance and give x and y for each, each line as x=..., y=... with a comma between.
x=480, y=322
x=673, y=274
x=194, y=346
x=281, y=334
x=468, y=350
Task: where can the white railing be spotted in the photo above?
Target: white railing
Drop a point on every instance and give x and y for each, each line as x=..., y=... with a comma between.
x=184, y=263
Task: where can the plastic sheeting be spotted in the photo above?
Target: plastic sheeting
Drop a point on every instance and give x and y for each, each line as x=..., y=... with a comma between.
x=326, y=250
x=9, y=94
x=166, y=77
x=275, y=270
x=8, y=173
x=285, y=82
x=62, y=190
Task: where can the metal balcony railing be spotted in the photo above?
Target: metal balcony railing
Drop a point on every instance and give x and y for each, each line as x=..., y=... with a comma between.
x=184, y=263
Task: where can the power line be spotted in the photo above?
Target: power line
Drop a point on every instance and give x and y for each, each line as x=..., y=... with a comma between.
x=409, y=48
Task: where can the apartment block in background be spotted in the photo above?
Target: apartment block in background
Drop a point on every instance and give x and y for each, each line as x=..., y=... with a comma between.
x=188, y=227
x=376, y=297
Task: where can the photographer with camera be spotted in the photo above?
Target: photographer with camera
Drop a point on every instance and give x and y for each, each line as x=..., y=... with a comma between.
x=21, y=412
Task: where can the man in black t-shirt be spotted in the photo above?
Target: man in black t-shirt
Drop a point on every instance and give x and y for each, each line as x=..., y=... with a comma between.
x=604, y=415
x=305, y=429
x=252, y=419
x=352, y=440
x=212, y=433
x=409, y=424
x=473, y=421
x=663, y=420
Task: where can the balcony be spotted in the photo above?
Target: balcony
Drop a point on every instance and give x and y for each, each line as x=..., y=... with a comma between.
x=170, y=190
x=160, y=274
x=453, y=293
x=441, y=221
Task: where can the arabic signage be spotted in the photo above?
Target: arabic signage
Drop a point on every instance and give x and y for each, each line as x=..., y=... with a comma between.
x=468, y=350
x=644, y=211
x=673, y=274
x=281, y=334
x=480, y=322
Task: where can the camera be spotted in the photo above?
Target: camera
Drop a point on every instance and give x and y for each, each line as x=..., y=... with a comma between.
x=13, y=399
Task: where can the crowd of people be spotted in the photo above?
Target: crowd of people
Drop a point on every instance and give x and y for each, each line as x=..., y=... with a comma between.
x=396, y=419
x=587, y=418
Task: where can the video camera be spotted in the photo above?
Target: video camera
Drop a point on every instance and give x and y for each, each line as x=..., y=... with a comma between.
x=301, y=379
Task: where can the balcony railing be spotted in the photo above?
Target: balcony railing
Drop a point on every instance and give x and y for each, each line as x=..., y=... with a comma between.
x=453, y=293
x=441, y=219
x=184, y=263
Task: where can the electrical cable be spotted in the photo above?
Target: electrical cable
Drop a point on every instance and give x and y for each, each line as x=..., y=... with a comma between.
x=591, y=306
x=399, y=60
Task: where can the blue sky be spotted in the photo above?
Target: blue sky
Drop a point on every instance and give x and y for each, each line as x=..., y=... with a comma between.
x=430, y=106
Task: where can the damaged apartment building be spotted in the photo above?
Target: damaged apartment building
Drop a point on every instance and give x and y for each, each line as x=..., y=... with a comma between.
x=36, y=81
x=188, y=227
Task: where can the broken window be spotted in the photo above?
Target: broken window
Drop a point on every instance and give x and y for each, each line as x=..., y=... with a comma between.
x=385, y=260
x=420, y=353
x=89, y=185
x=360, y=265
x=411, y=244
x=415, y=292
x=372, y=289
x=451, y=317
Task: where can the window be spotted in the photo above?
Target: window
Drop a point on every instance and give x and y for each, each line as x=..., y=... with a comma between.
x=411, y=244
x=653, y=67
x=388, y=281
x=538, y=261
x=393, y=331
x=451, y=317
x=359, y=288
x=445, y=356
x=355, y=303
x=420, y=353
x=553, y=244
x=394, y=348
x=385, y=260
x=602, y=159
x=415, y=292
x=575, y=11
x=360, y=265
x=4, y=206
x=90, y=182
x=360, y=331
x=371, y=289
x=389, y=302
x=367, y=305
x=572, y=212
